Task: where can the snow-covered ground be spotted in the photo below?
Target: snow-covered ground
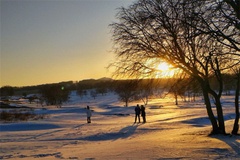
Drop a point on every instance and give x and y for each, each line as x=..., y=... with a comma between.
x=171, y=132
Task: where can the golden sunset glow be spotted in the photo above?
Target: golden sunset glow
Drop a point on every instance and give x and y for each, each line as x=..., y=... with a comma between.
x=164, y=70
x=163, y=66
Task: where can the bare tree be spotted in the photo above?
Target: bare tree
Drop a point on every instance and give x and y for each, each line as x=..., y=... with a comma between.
x=150, y=31
x=236, y=122
x=235, y=4
x=126, y=90
x=145, y=89
x=93, y=93
x=178, y=87
x=221, y=19
x=54, y=94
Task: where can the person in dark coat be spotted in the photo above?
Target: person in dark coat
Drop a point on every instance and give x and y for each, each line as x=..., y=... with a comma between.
x=137, y=113
x=143, y=113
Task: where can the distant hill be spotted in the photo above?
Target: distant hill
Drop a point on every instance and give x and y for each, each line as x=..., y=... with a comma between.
x=105, y=79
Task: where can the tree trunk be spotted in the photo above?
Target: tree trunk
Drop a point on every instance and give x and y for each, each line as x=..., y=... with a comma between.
x=176, y=98
x=126, y=103
x=217, y=96
x=209, y=110
x=221, y=124
x=236, y=125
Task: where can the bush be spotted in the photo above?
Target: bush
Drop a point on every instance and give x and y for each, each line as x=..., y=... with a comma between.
x=9, y=116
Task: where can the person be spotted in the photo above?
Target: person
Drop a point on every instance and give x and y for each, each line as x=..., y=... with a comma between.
x=89, y=114
x=137, y=113
x=143, y=113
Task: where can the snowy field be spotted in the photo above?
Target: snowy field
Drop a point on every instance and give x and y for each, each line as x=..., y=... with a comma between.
x=171, y=132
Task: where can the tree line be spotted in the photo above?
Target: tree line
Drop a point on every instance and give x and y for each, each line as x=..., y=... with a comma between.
x=128, y=90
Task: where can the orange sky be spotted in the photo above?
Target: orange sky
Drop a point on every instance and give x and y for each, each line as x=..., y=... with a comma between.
x=53, y=41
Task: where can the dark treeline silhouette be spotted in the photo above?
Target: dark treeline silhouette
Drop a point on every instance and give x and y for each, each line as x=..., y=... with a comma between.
x=51, y=94
x=107, y=84
x=128, y=90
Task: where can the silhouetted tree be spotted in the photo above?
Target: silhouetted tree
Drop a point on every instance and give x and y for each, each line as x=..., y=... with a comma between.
x=81, y=91
x=221, y=20
x=32, y=98
x=178, y=88
x=54, y=94
x=229, y=83
x=150, y=31
x=7, y=91
x=126, y=90
x=145, y=89
x=236, y=122
x=193, y=89
x=93, y=93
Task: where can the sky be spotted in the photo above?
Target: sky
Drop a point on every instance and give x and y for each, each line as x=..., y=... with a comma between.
x=50, y=41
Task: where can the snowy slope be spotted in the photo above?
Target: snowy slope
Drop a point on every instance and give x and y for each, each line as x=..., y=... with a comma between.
x=171, y=132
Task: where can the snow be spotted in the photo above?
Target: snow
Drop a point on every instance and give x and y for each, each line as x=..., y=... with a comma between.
x=171, y=132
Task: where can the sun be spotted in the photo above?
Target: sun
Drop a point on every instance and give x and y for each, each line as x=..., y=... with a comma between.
x=164, y=70
x=163, y=66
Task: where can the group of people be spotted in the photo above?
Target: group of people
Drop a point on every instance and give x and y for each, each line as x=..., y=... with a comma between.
x=139, y=111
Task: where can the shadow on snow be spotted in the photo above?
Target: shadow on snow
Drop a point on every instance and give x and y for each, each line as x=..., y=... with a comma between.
x=123, y=133
x=204, y=121
x=26, y=127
